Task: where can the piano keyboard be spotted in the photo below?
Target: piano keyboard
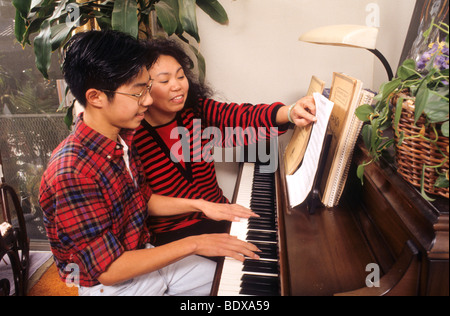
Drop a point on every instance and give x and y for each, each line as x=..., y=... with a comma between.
x=254, y=277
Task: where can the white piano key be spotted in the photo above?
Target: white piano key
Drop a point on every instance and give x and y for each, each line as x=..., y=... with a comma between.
x=232, y=271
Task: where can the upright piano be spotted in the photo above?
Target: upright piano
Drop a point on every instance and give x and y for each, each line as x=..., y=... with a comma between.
x=383, y=229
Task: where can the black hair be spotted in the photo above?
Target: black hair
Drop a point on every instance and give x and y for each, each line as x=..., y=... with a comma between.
x=168, y=47
x=103, y=60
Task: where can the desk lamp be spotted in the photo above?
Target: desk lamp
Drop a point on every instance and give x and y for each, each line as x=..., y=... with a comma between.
x=356, y=36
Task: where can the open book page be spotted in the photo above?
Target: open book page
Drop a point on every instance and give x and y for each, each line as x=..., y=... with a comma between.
x=299, y=184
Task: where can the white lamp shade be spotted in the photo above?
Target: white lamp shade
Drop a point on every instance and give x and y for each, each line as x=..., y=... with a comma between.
x=343, y=35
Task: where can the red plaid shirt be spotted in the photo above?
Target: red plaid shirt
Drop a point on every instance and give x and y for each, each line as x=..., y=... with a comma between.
x=93, y=211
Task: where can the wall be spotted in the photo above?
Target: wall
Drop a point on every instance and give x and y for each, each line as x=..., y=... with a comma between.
x=258, y=58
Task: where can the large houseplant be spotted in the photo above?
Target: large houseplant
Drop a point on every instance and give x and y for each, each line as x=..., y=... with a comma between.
x=417, y=98
x=54, y=21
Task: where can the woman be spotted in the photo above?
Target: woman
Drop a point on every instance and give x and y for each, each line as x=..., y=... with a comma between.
x=182, y=108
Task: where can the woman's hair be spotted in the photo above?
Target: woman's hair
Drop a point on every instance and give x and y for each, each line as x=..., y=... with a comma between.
x=103, y=60
x=168, y=47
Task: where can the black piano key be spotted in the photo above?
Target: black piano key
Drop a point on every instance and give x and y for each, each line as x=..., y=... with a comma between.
x=260, y=285
x=272, y=284
x=262, y=201
x=260, y=266
x=266, y=247
x=265, y=214
x=259, y=291
x=267, y=255
x=264, y=209
x=263, y=219
x=262, y=226
x=261, y=236
x=260, y=280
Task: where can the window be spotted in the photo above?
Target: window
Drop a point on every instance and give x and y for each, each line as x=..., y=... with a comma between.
x=30, y=127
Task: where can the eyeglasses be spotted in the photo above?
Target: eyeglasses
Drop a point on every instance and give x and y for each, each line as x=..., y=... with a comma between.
x=139, y=96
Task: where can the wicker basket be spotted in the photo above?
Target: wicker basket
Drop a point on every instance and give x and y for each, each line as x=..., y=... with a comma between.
x=416, y=152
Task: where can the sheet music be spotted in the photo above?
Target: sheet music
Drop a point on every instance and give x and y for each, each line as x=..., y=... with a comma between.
x=300, y=183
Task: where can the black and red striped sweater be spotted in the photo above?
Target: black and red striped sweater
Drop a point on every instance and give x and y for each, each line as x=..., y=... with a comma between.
x=194, y=177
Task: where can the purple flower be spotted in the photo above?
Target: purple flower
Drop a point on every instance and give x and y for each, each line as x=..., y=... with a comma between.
x=423, y=61
x=441, y=62
x=440, y=53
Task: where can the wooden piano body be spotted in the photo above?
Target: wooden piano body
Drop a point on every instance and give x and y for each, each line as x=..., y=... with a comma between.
x=385, y=222
x=384, y=226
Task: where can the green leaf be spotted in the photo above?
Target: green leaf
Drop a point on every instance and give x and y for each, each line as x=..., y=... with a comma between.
x=19, y=27
x=386, y=144
x=436, y=108
x=22, y=6
x=385, y=118
x=388, y=88
x=422, y=98
x=59, y=10
x=442, y=182
x=22, y=10
x=407, y=70
x=398, y=113
x=188, y=18
x=367, y=135
x=60, y=32
x=360, y=172
x=124, y=17
x=215, y=10
x=444, y=129
x=43, y=49
x=363, y=112
x=167, y=16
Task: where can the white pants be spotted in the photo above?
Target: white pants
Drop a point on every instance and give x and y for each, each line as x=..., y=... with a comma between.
x=191, y=276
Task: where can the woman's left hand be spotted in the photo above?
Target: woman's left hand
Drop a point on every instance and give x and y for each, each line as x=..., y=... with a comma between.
x=226, y=212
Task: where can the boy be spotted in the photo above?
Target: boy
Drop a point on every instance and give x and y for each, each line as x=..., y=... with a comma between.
x=94, y=194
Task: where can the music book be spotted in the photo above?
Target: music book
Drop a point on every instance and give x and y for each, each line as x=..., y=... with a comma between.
x=347, y=153
x=300, y=183
x=347, y=94
x=296, y=148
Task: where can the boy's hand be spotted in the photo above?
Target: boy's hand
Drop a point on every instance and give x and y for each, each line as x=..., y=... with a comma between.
x=224, y=245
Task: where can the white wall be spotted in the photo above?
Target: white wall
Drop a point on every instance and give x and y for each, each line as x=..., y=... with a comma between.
x=258, y=58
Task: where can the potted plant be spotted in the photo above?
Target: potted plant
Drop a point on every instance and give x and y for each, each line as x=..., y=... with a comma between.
x=415, y=105
x=54, y=21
